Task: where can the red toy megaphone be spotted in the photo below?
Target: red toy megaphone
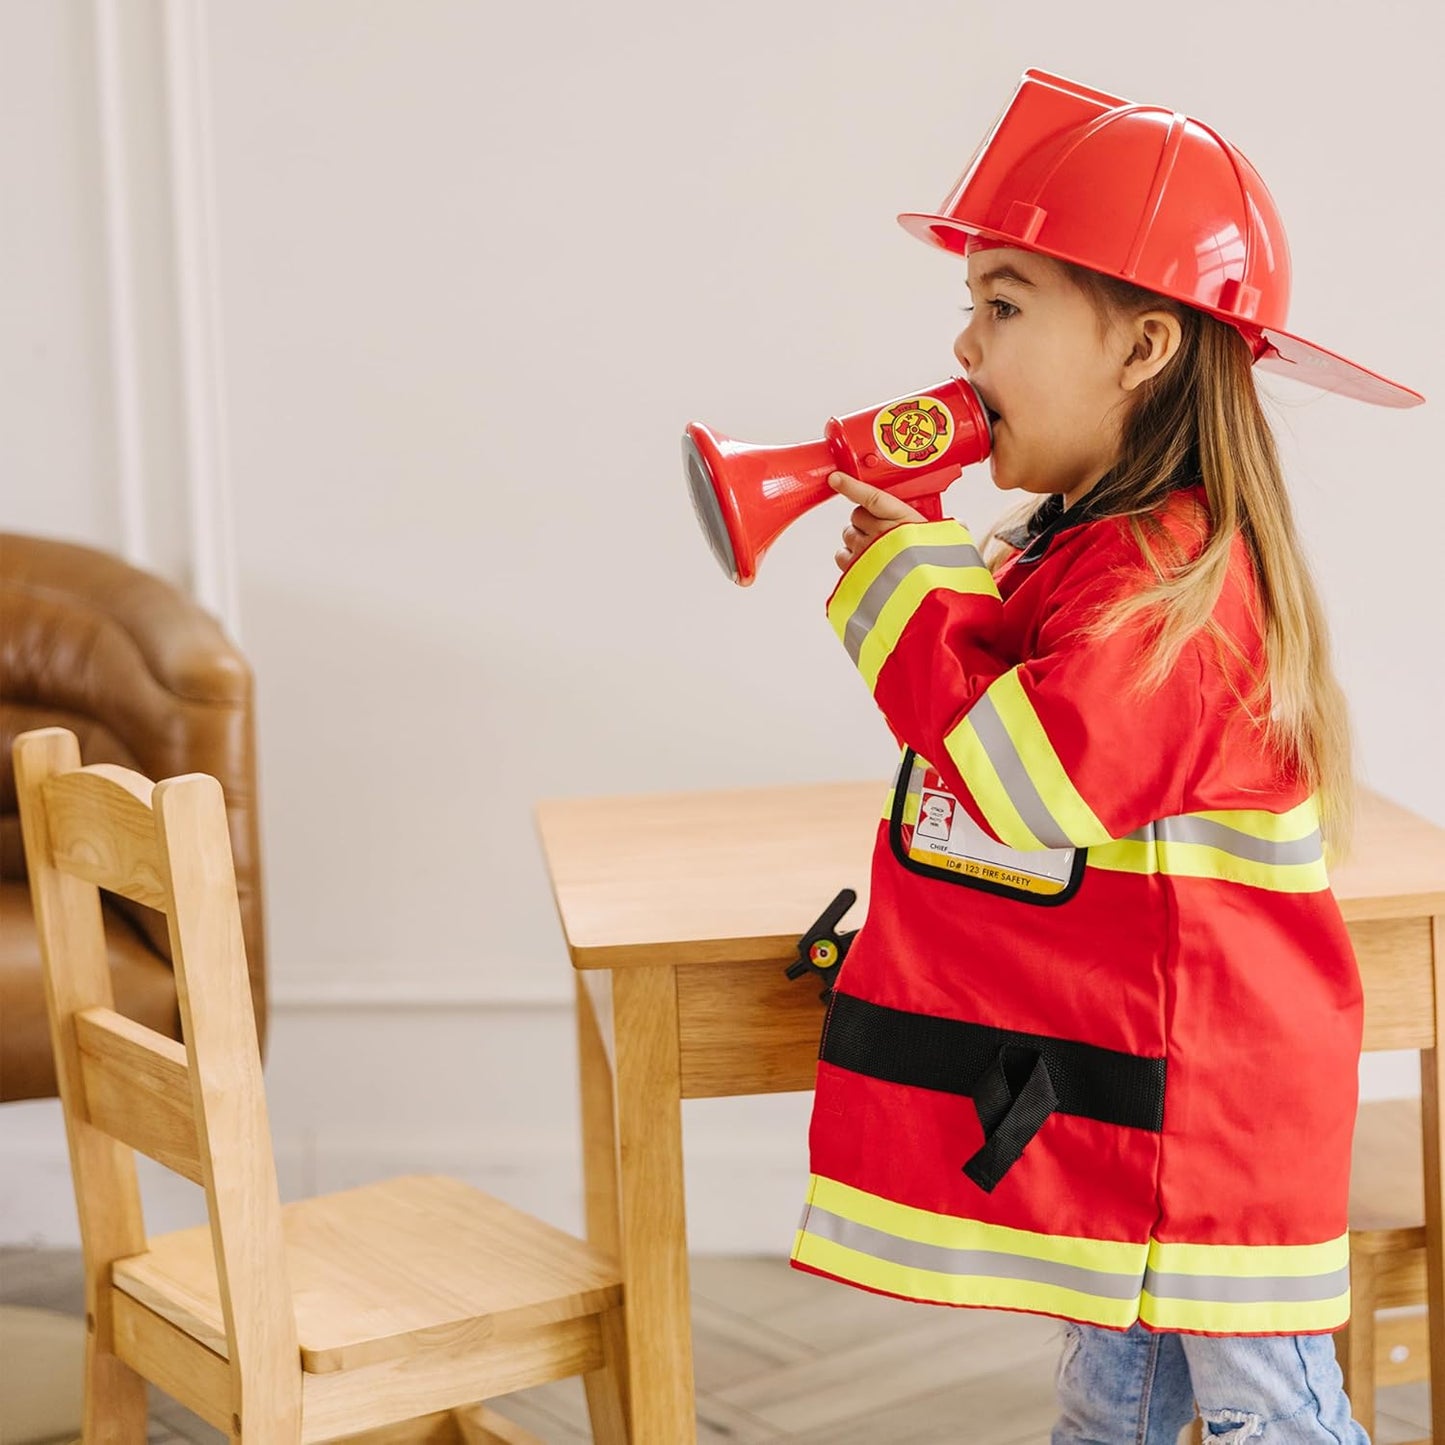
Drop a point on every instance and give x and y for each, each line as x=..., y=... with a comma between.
x=914, y=447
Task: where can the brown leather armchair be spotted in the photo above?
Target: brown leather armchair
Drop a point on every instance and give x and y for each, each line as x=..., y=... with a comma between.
x=146, y=679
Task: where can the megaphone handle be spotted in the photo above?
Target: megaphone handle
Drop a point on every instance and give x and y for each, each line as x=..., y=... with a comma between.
x=931, y=506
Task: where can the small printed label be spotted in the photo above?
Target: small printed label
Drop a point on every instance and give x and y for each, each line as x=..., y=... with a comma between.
x=936, y=831
x=914, y=432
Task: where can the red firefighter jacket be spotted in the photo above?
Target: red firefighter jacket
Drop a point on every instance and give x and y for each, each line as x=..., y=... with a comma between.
x=1094, y=1052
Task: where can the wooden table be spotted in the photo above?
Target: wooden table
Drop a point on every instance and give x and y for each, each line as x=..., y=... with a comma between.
x=680, y=911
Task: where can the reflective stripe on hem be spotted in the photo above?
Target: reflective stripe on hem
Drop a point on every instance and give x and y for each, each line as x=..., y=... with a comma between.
x=882, y=1245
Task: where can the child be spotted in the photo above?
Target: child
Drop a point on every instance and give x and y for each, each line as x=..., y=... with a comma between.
x=1095, y=1054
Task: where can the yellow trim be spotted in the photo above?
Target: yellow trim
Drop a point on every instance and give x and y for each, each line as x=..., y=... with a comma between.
x=1199, y=860
x=966, y=749
x=958, y=1289
x=945, y=1230
x=1060, y=797
x=905, y=599
x=1240, y=1261
x=1125, y=855
x=1127, y=1260
x=866, y=570
x=1287, y=827
x=1214, y=1318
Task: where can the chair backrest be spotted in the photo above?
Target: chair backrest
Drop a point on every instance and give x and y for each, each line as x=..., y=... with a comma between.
x=198, y=1109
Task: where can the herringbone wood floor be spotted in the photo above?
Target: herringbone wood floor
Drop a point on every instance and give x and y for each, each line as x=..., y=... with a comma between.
x=784, y=1356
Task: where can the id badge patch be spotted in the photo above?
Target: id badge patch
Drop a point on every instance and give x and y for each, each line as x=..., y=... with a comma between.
x=933, y=834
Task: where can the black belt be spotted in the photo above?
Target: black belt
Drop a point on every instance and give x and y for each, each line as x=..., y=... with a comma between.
x=1016, y=1080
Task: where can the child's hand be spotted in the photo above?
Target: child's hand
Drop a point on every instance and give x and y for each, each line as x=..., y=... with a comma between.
x=877, y=512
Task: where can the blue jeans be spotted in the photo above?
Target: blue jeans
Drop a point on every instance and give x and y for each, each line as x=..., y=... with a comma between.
x=1135, y=1387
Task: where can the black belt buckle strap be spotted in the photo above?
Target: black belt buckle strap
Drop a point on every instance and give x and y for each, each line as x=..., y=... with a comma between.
x=1016, y=1079
x=1013, y=1099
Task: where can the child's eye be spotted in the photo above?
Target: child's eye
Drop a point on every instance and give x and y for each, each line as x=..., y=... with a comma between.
x=1002, y=310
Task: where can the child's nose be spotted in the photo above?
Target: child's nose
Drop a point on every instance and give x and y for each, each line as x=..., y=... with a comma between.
x=965, y=348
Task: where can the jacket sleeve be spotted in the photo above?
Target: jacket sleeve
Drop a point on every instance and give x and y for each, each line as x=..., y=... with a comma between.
x=1058, y=749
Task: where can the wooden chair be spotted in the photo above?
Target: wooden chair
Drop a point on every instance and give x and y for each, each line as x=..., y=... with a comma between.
x=1389, y=1253
x=329, y=1318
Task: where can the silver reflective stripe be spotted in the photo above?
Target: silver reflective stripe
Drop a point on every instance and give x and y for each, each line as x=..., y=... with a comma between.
x=865, y=615
x=878, y=1244
x=1189, y=829
x=1186, y=828
x=1014, y=776
x=1249, y=1289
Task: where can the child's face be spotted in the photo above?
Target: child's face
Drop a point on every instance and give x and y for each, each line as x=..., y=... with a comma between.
x=1035, y=350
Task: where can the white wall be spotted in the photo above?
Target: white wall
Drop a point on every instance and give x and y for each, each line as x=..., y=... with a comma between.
x=477, y=265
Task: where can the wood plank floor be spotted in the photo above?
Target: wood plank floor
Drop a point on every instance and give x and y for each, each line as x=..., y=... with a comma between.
x=785, y=1356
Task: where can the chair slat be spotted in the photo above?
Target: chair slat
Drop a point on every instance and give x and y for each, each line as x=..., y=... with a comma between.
x=102, y=829
x=138, y=1089
x=184, y=1368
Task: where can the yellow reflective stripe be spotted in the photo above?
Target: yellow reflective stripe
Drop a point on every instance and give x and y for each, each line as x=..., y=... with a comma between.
x=897, y=612
x=864, y=573
x=1218, y=1318
x=1245, y=1260
x=1126, y=855
x=1192, y=860
x=925, y=1227
x=1073, y=815
x=1293, y=832
x=1297, y=822
x=975, y=766
x=955, y=1289
x=861, y=576
x=1217, y=1289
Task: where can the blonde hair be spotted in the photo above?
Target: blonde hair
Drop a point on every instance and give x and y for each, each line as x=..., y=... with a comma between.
x=1202, y=416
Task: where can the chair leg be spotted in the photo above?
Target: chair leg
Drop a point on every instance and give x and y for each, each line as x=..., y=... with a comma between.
x=1355, y=1344
x=606, y=1407
x=115, y=1399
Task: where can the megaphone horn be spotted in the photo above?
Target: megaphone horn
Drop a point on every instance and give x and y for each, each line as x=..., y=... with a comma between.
x=915, y=447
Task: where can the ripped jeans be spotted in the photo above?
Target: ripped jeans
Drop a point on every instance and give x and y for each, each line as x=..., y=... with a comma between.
x=1136, y=1387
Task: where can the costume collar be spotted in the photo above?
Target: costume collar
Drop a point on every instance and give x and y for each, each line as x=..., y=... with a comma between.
x=1049, y=518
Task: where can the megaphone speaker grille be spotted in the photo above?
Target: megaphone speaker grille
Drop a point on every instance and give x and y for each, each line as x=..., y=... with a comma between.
x=708, y=509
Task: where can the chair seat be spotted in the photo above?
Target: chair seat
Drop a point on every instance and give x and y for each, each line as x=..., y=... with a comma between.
x=1387, y=1174
x=387, y=1269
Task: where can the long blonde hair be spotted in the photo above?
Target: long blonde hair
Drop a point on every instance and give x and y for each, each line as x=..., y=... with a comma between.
x=1202, y=416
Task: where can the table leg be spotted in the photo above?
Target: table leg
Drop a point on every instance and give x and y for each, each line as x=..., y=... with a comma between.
x=652, y=1237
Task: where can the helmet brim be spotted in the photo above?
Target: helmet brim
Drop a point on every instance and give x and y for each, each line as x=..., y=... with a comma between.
x=1284, y=353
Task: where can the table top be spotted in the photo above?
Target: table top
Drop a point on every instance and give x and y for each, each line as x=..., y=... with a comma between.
x=737, y=875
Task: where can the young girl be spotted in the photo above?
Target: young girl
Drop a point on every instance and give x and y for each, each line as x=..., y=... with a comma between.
x=1094, y=1054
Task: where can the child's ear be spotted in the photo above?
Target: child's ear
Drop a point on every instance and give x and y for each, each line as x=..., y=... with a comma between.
x=1156, y=336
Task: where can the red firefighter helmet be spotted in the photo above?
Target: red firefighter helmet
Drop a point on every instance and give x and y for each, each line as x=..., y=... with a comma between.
x=1149, y=196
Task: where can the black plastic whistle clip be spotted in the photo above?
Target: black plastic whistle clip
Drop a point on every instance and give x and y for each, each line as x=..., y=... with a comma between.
x=822, y=949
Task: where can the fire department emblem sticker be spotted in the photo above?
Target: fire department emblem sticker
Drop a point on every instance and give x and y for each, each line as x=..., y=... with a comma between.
x=913, y=432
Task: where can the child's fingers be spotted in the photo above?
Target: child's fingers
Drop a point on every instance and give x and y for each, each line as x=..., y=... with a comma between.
x=874, y=500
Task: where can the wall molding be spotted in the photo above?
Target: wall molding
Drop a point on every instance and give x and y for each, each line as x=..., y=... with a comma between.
x=121, y=296
x=198, y=295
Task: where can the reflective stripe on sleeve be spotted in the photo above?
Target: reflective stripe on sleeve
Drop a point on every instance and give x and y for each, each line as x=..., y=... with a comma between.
x=882, y=590
x=1002, y=752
